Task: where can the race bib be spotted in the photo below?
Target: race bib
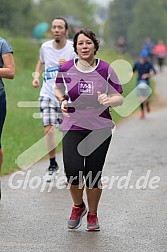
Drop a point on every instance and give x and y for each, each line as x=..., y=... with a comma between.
x=51, y=73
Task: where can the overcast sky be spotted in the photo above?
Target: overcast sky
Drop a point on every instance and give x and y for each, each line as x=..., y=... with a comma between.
x=102, y=2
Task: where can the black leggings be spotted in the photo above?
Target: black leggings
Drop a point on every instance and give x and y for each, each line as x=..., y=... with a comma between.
x=142, y=105
x=84, y=153
x=2, y=113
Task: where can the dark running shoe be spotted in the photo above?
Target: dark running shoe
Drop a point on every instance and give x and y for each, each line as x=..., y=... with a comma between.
x=75, y=220
x=92, y=222
x=51, y=173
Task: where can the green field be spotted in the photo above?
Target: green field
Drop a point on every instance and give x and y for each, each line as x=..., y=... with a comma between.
x=21, y=130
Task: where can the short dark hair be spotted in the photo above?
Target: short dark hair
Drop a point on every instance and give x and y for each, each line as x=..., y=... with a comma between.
x=61, y=18
x=88, y=33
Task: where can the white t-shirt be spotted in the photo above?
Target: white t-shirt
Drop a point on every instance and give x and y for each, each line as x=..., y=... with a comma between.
x=50, y=57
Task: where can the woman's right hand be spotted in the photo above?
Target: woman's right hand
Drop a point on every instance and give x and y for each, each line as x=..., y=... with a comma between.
x=36, y=83
x=64, y=108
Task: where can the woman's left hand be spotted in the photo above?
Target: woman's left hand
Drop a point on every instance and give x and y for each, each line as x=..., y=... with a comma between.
x=103, y=99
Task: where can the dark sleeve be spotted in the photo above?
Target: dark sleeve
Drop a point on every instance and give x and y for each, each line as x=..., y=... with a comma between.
x=62, y=77
x=152, y=68
x=134, y=67
x=115, y=85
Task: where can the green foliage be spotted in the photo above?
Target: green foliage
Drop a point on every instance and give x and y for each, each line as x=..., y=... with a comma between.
x=149, y=19
x=119, y=17
x=52, y=8
x=25, y=52
x=19, y=17
x=136, y=20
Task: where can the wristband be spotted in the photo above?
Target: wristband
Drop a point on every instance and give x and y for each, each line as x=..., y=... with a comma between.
x=60, y=102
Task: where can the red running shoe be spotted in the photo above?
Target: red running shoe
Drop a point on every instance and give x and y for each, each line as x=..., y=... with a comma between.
x=75, y=220
x=142, y=115
x=92, y=222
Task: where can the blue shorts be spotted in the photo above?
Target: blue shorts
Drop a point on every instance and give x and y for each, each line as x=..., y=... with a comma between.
x=2, y=113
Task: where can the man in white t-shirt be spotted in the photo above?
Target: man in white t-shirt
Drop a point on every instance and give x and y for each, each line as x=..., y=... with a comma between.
x=53, y=54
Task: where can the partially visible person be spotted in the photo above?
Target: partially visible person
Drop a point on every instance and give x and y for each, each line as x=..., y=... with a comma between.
x=160, y=51
x=121, y=45
x=53, y=54
x=148, y=46
x=86, y=87
x=145, y=71
x=7, y=71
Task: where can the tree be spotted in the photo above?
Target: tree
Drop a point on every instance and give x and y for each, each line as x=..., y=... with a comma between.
x=17, y=16
x=149, y=19
x=52, y=8
x=119, y=18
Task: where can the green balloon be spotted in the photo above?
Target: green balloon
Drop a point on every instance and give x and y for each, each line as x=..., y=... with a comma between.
x=40, y=30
